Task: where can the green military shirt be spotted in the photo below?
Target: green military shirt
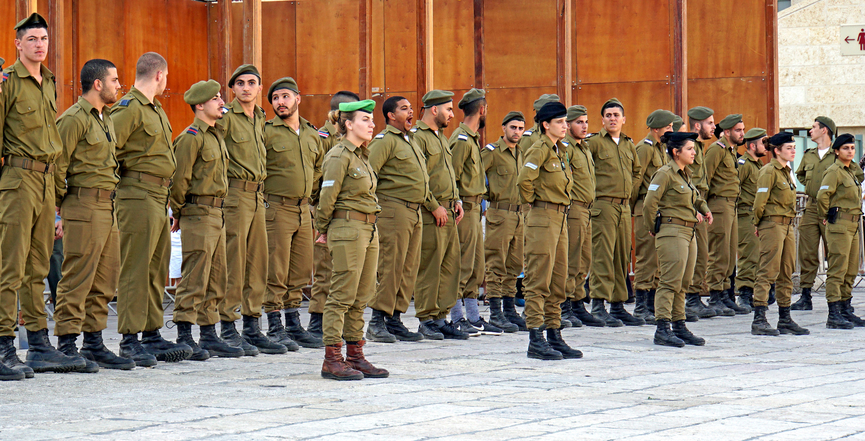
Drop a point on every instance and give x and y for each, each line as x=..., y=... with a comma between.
x=89, y=158
x=329, y=136
x=545, y=175
x=672, y=193
x=529, y=138
x=582, y=170
x=721, y=174
x=776, y=192
x=749, y=168
x=27, y=113
x=812, y=167
x=143, y=135
x=202, y=164
x=442, y=179
x=652, y=156
x=399, y=165
x=840, y=188
x=244, y=138
x=616, y=165
x=348, y=183
x=293, y=159
x=698, y=169
x=502, y=165
x=466, y=157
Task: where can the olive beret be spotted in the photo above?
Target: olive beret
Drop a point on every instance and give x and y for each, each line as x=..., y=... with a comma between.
x=243, y=69
x=729, y=121
x=437, y=97
x=550, y=111
x=678, y=123
x=201, y=92
x=471, y=96
x=755, y=133
x=513, y=115
x=365, y=106
x=575, y=112
x=842, y=140
x=2, y=61
x=612, y=102
x=543, y=99
x=826, y=121
x=700, y=113
x=781, y=138
x=282, y=83
x=32, y=19
x=660, y=119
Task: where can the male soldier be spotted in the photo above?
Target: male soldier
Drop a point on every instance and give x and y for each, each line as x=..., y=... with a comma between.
x=147, y=164
x=245, y=232
x=534, y=134
x=505, y=218
x=616, y=168
x=678, y=123
x=6, y=372
x=402, y=188
x=321, y=255
x=197, y=194
x=439, y=274
x=87, y=176
x=749, y=244
x=652, y=154
x=294, y=157
x=723, y=180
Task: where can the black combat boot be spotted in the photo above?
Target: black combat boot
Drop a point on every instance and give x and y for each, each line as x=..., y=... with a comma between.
x=836, y=320
x=716, y=301
x=295, y=330
x=804, y=302
x=786, y=325
x=555, y=340
x=42, y=357
x=579, y=309
x=498, y=319
x=9, y=357
x=694, y=305
x=599, y=311
x=761, y=326
x=162, y=349
x=94, y=349
x=568, y=314
x=650, y=301
x=509, y=309
x=67, y=345
x=397, y=328
x=276, y=332
x=9, y=374
x=376, y=329
x=665, y=337
x=209, y=341
x=184, y=336
x=729, y=298
x=847, y=313
x=683, y=333
x=314, y=328
x=618, y=311
x=131, y=348
x=252, y=335
x=641, y=309
x=228, y=334
x=746, y=298
x=539, y=348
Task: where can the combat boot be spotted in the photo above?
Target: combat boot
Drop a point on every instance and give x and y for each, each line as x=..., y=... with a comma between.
x=771, y=295
x=665, y=337
x=184, y=336
x=618, y=311
x=252, y=336
x=376, y=330
x=131, y=348
x=354, y=359
x=335, y=367
x=579, y=309
x=276, y=332
x=9, y=357
x=67, y=345
x=641, y=308
x=729, y=298
x=786, y=325
x=539, y=347
x=509, y=309
x=746, y=298
x=497, y=317
x=683, y=333
x=228, y=334
x=761, y=326
x=9, y=374
x=568, y=314
x=599, y=311
x=650, y=301
x=397, y=328
x=690, y=317
x=694, y=305
x=295, y=330
x=836, y=320
x=430, y=331
x=94, y=349
x=315, y=322
x=804, y=302
x=209, y=341
x=555, y=340
x=42, y=357
x=847, y=311
x=716, y=302
x=162, y=349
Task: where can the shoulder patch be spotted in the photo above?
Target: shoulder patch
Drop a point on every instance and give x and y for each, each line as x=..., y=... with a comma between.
x=124, y=103
x=462, y=137
x=590, y=135
x=648, y=141
x=323, y=134
x=565, y=143
x=742, y=160
x=491, y=147
x=527, y=133
x=413, y=130
x=192, y=131
x=379, y=136
x=720, y=143
x=5, y=76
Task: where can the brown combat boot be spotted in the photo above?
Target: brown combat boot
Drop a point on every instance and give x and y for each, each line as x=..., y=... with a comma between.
x=335, y=368
x=354, y=358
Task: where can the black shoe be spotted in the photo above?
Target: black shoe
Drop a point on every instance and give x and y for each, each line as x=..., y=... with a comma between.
x=694, y=305
x=229, y=335
x=498, y=319
x=466, y=328
x=42, y=357
x=618, y=311
x=294, y=330
x=430, y=331
x=486, y=328
x=650, y=301
x=397, y=328
x=9, y=374
x=786, y=325
x=539, y=348
x=641, y=308
x=131, y=348
x=184, y=336
x=804, y=302
x=209, y=341
x=315, y=324
x=729, y=300
x=691, y=317
x=67, y=345
x=568, y=314
x=746, y=298
x=836, y=320
x=599, y=311
x=682, y=332
x=376, y=330
x=665, y=337
x=579, y=309
x=761, y=326
x=162, y=349
x=716, y=301
x=94, y=349
x=9, y=357
x=554, y=338
x=450, y=332
x=509, y=309
x=847, y=312
x=252, y=335
x=276, y=332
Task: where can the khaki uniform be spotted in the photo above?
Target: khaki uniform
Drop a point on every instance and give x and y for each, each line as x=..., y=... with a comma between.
x=749, y=244
x=147, y=164
x=197, y=194
x=774, y=211
x=469, y=169
x=652, y=157
x=616, y=168
x=672, y=193
x=28, y=132
x=244, y=209
x=439, y=273
x=91, y=240
x=579, y=218
x=529, y=138
x=293, y=168
x=723, y=179
x=545, y=183
x=321, y=255
x=402, y=188
x=347, y=196
x=698, y=177
x=505, y=219
x=841, y=188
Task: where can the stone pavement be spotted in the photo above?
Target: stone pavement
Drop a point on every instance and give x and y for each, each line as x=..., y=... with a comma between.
x=737, y=387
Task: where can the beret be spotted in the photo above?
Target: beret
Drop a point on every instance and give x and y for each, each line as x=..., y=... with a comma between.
x=543, y=99
x=842, y=140
x=2, y=61
x=513, y=115
x=282, y=83
x=729, y=121
x=755, y=133
x=781, y=138
x=471, y=96
x=550, y=111
x=826, y=121
x=575, y=112
x=678, y=123
x=437, y=97
x=201, y=92
x=660, y=119
x=612, y=102
x=32, y=19
x=678, y=137
x=700, y=113
x=243, y=69
x=365, y=106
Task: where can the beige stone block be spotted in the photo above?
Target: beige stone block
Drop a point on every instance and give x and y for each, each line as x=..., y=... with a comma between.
x=793, y=116
x=791, y=95
x=813, y=15
x=820, y=35
x=838, y=15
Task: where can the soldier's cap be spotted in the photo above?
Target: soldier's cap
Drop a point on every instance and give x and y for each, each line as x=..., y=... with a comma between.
x=842, y=140
x=781, y=138
x=282, y=83
x=575, y=112
x=2, y=61
x=612, y=102
x=543, y=99
x=242, y=70
x=33, y=19
x=364, y=106
x=471, y=96
x=660, y=118
x=201, y=92
x=755, y=133
x=678, y=123
x=700, y=113
x=550, y=111
x=513, y=115
x=826, y=121
x=437, y=97
x=678, y=137
x=729, y=121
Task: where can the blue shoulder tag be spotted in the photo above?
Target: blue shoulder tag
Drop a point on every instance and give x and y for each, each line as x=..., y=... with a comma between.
x=527, y=133
x=462, y=137
x=192, y=131
x=491, y=147
x=124, y=103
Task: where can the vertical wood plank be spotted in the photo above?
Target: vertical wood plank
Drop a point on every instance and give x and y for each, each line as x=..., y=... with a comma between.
x=423, y=45
x=219, y=42
x=772, y=65
x=365, y=60
x=58, y=56
x=679, y=67
x=479, y=44
x=23, y=8
x=252, y=34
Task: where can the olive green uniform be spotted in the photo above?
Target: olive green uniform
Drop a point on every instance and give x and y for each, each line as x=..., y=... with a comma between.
x=672, y=193
x=91, y=240
x=147, y=164
x=321, y=255
x=841, y=188
x=774, y=211
x=652, y=157
x=579, y=218
x=244, y=209
x=529, y=138
x=439, y=274
x=723, y=179
x=346, y=214
x=698, y=178
x=469, y=169
x=749, y=244
x=616, y=168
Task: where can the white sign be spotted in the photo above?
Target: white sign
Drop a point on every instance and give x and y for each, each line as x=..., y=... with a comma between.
x=853, y=39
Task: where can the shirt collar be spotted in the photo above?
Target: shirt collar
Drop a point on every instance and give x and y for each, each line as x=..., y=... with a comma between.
x=143, y=99
x=22, y=71
x=469, y=131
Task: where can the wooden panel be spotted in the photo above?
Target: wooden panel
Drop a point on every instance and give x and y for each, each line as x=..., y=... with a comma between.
x=502, y=101
x=458, y=114
x=517, y=35
x=453, y=44
x=187, y=20
x=639, y=100
x=327, y=46
x=400, y=45
x=377, y=48
x=236, y=58
x=278, y=25
x=724, y=96
x=7, y=22
x=623, y=41
x=713, y=24
x=312, y=107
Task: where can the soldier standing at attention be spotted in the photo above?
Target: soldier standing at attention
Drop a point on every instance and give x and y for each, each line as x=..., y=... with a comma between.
x=8, y=353
x=749, y=245
x=532, y=135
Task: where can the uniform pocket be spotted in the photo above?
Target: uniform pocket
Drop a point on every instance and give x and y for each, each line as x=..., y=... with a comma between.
x=26, y=109
x=502, y=170
x=10, y=179
x=495, y=217
x=538, y=219
x=77, y=230
x=93, y=137
x=341, y=242
x=153, y=129
x=552, y=166
x=209, y=153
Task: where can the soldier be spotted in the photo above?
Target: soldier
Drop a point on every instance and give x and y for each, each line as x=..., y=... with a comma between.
x=749, y=245
x=85, y=180
x=616, y=168
x=505, y=223
x=532, y=135
x=197, y=194
x=439, y=273
x=346, y=217
x=147, y=164
x=244, y=209
x=402, y=188
x=294, y=156
x=7, y=346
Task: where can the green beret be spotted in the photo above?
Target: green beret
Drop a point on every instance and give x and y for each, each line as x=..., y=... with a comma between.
x=575, y=112
x=33, y=19
x=471, y=96
x=700, y=113
x=242, y=70
x=282, y=83
x=755, y=133
x=826, y=121
x=513, y=115
x=2, y=61
x=729, y=121
x=201, y=92
x=660, y=119
x=366, y=105
x=437, y=97
x=543, y=99
x=678, y=123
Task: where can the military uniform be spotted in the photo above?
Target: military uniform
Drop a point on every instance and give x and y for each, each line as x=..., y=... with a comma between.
x=774, y=212
x=321, y=255
x=749, y=244
x=652, y=157
x=723, y=180
x=698, y=178
x=840, y=187
x=466, y=157
x=579, y=218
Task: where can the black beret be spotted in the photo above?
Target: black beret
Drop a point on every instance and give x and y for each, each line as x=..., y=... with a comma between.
x=678, y=137
x=550, y=111
x=781, y=138
x=843, y=139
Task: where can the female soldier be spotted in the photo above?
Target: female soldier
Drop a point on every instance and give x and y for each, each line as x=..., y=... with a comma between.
x=346, y=219
x=774, y=211
x=672, y=198
x=839, y=204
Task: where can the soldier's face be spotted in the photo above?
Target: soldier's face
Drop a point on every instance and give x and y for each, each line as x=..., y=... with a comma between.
x=514, y=131
x=579, y=127
x=33, y=45
x=402, y=116
x=663, y=130
x=787, y=152
x=846, y=152
x=246, y=88
x=736, y=135
x=361, y=125
x=687, y=154
x=613, y=119
x=557, y=128
x=816, y=131
x=285, y=103
x=110, y=85
x=706, y=129
x=213, y=108
x=759, y=148
x=444, y=114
